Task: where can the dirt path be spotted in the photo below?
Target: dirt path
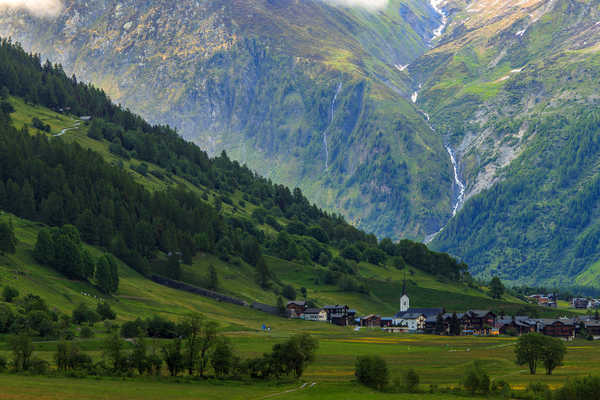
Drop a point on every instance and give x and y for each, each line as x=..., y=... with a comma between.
x=303, y=386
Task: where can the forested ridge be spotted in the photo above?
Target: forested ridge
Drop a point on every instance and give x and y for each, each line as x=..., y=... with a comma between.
x=58, y=183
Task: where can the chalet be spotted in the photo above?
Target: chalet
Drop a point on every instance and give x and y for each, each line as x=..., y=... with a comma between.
x=387, y=322
x=338, y=315
x=518, y=325
x=561, y=328
x=295, y=309
x=478, y=322
x=580, y=303
x=370, y=321
x=315, y=314
x=593, y=328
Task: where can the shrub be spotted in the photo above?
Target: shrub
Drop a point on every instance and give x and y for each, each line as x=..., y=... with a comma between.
x=3, y=364
x=131, y=329
x=83, y=314
x=289, y=292
x=9, y=294
x=105, y=312
x=476, y=379
x=586, y=388
x=372, y=371
x=86, y=332
x=411, y=380
x=38, y=366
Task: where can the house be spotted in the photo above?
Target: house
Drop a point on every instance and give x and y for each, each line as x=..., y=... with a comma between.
x=518, y=325
x=413, y=317
x=387, y=322
x=338, y=314
x=478, y=322
x=295, y=309
x=580, y=303
x=315, y=314
x=593, y=328
x=561, y=328
x=370, y=321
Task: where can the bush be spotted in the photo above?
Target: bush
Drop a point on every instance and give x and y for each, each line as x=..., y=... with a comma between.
x=411, y=380
x=9, y=294
x=3, y=364
x=586, y=388
x=131, y=329
x=372, y=371
x=289, y=292
x=38, y=366
x=476, y=379
x=501, y=387
x=86, y=332
x=105, y=312
x=83, y=314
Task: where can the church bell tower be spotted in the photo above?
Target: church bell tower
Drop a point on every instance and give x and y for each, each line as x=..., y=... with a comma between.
x=404, y=300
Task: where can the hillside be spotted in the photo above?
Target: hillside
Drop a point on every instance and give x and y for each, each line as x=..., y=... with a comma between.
x=513, y=87
x=306, y=93
x=147, y=204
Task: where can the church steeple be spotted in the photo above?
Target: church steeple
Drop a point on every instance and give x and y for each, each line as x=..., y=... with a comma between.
x=404, y=300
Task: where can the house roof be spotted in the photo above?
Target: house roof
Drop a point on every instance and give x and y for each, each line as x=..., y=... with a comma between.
x=370, y=316
x=331, y=307
x=479, y=313
x=313, y=310
x=425, y=311
x=298, y=303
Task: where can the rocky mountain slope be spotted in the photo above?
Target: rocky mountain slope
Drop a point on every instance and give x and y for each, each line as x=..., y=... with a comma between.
x=514, y=89
x=308, y=93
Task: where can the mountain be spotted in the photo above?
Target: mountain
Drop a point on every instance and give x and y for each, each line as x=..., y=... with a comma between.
x=514, y=89
x=111, y=186
x=471, y=124
x=307, y=93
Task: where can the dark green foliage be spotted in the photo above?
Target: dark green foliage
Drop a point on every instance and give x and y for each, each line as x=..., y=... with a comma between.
x=8, y=241
x=22, y=349
x=106, y=274
x=222, y=357
x=173, y=357
x=86, y=332
x=114, y=351
x=586, y=388
x=411, y=380
x=352, y=253
x=7, y=318
x=289, y=292
x=68, y=357
x=553, y=354
x=131, y=329
x=83, y=314
x=476, y=380
x=535, y=347
x=372, y=371
x=212, y=281
x=9, y=293
x=38, y=124
x=281, y=306
x=105, y=311
x=496, y=288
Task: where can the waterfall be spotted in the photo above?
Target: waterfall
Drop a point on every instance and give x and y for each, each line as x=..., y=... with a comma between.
x=437, y=6
x=461, y=186
x=332, y=112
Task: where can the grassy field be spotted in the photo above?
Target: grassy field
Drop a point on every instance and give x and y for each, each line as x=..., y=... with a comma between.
x=438, y=360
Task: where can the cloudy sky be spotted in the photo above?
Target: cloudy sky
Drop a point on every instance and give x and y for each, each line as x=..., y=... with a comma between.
x=42, y=8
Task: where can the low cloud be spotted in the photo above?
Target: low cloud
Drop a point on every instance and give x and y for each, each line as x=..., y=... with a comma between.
x=40, y=8
x=368, y=4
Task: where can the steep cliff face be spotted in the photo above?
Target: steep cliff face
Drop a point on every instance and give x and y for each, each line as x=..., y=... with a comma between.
x=258, y=79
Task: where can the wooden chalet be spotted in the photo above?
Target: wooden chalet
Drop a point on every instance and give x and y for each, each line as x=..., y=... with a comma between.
x=478, y=322
x=295, y=309
x=370, y=321
x=561, y=328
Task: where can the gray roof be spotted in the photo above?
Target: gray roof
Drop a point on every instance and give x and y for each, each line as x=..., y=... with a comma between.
x=425, y=311
x=299, y=303
x=313, y=310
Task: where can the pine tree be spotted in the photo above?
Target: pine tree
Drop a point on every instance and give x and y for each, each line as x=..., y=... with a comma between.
x=263, y=275
x=213, y=278
x=496, y=288
x=8, y=240
x=44, y=248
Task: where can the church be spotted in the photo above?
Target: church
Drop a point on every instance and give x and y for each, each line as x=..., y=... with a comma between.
x=413, y=319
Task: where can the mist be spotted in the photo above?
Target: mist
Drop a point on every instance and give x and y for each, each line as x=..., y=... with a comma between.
x=368, y=4
x=40, y=8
